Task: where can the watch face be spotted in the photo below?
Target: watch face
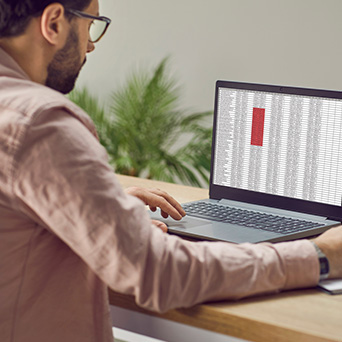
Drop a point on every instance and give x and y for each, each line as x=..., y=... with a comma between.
x=324, y=265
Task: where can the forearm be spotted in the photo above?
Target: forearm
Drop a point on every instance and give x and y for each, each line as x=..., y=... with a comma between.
x=181, y=274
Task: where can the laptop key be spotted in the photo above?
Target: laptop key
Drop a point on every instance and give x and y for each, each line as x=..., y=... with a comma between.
x=248, y=218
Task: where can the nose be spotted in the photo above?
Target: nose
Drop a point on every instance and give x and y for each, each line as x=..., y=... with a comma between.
x=90, y=47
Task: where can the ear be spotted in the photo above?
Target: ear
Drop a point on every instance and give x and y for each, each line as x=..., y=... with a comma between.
x=53, y=24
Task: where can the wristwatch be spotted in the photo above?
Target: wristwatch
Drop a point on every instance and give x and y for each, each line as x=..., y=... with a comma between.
x=323, y=263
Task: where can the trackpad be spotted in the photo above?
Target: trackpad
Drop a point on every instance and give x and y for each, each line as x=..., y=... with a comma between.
x=231, y=233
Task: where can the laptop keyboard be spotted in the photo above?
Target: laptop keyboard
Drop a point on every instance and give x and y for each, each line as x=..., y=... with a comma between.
x=248, y=218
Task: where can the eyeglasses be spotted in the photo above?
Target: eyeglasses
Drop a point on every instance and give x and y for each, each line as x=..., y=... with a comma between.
x=98, y=26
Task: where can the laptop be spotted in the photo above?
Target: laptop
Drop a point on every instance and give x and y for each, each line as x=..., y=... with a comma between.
x=276, y=166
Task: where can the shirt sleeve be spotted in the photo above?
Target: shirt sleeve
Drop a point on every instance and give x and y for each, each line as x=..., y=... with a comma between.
x=62, y=181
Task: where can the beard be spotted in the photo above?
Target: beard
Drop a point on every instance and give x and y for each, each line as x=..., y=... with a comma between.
x=65, y=66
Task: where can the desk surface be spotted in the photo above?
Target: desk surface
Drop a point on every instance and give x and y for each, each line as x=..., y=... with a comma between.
x=305, y=315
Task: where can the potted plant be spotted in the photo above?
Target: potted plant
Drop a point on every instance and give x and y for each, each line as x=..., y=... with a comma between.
x=145, y=132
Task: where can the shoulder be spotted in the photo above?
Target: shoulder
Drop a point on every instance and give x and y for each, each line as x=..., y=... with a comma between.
x=31, y=100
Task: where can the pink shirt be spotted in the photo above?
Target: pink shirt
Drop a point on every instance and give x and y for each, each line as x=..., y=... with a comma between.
x=68, y=231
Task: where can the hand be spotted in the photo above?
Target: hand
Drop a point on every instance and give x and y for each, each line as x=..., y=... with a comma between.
x=330, y=244
x=156, y=198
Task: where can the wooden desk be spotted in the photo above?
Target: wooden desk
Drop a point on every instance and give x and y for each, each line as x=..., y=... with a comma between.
x=305, y=315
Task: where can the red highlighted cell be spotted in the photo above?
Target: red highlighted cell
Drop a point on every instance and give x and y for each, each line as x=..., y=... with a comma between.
x=258, y=126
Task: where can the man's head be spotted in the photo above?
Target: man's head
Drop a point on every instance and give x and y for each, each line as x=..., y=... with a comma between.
x=16, y=14
x=50, y=39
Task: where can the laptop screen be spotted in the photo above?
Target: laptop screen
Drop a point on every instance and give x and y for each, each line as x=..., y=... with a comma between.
x=279, y=140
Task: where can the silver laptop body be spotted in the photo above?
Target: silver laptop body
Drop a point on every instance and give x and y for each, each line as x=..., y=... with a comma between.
x=276, y=151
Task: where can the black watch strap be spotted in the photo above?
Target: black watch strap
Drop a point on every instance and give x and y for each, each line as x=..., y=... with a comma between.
x=323, y=263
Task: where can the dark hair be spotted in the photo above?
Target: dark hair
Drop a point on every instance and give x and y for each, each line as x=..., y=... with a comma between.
x=15, y=15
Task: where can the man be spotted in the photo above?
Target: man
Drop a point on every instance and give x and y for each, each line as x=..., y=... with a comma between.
x=68, y=230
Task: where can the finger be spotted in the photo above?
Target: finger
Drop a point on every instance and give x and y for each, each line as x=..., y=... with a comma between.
x=160, y=225
x=167, y=209
x=153, y=208
x=164, y=214
x=158, y=198
x=168, y=204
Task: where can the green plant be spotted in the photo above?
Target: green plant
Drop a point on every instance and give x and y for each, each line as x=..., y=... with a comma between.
x=143, y=127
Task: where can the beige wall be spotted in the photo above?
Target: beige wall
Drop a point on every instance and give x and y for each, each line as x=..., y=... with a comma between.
x=288, y=42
